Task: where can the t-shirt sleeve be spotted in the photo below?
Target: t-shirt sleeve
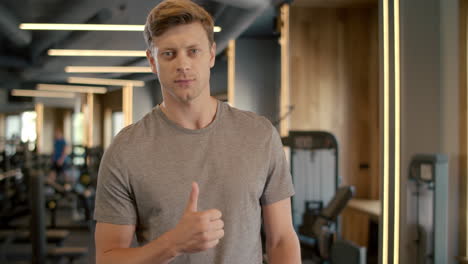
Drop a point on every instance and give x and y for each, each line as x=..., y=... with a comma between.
x=278, y=184
x=115, y=202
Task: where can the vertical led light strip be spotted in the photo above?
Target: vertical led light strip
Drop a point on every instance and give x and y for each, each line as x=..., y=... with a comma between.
x=396, y=221
x=391, y=162
x=464, y=53
x=385, y=195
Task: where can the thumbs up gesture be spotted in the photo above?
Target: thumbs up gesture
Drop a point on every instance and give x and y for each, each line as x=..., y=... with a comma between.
x=198, y=231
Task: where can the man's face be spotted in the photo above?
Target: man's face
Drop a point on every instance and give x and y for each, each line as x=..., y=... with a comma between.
x=182, y=58
x=58, y=134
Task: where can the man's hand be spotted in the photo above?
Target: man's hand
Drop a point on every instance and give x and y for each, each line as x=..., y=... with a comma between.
x=197, y=231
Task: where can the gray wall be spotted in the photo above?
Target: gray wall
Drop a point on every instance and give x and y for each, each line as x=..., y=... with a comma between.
x=143, y=101
x=449, y=82
x=257, y=83
x=429, y=80
x=218, y=81
x=7, y=107
x=56, y=102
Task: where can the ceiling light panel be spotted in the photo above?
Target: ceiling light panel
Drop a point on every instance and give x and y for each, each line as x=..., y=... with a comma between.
x=101, y=81
x=107, y=53
x=106, y=69
x=88, y=27
x=35, y=93
x=85, y=27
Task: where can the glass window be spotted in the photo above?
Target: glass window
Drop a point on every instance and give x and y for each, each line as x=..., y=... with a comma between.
x=117, y=122
x=28, y=126
x=13, y=126
x=78, y=129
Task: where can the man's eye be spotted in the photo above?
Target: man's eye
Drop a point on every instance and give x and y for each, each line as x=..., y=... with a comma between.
x=194, y=51
x=168, y=53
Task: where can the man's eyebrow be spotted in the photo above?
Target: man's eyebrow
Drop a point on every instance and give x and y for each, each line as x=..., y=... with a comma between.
x=165, y=49
x=193, y=46
x=173, y=48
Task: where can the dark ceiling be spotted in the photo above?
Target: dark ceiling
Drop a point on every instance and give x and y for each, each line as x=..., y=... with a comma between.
x=23, y=54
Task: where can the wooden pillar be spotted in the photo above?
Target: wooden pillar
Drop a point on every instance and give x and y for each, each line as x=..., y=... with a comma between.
x=2, y=125
x=285, y=102
x=2, y=130
x=127, y=101
x=39, y=108
x=231, y=52
x=89, y=117
x=107, y=129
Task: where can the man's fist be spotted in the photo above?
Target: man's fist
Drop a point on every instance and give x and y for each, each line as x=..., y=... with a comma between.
x=198, y=231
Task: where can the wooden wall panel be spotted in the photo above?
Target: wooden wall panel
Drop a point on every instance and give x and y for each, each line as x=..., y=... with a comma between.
x=112, y=100
x=109, y=102
x=59, y=118
x=2, y=126
x=334, y=3
x=97, y=122
x=374, y=98
x=356, y=226
x=334, y=86
x=47, y=135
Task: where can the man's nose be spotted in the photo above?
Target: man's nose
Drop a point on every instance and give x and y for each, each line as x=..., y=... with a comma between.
x=183, y=63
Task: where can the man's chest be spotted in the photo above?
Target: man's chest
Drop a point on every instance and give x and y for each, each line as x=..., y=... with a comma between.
x=231, y=181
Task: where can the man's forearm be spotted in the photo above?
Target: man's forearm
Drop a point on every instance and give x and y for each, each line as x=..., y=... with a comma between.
x=158, y=251
x=287, y=250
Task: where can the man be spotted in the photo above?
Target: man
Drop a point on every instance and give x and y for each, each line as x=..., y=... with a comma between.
x=193, y=178
x=58, y=157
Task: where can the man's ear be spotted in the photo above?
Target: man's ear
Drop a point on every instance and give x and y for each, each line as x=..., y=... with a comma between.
x=151, y=60
x=212, y=55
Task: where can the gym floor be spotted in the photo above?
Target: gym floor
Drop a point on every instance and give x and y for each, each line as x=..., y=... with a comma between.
x=80, y=235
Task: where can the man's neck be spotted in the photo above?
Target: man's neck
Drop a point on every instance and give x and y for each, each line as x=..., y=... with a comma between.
x=193, y=115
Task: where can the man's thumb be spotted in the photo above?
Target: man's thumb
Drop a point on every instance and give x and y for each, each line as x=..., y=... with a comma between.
x=192, y=205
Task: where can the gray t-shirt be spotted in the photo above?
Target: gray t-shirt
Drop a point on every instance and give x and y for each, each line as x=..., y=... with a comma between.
x=238, y=162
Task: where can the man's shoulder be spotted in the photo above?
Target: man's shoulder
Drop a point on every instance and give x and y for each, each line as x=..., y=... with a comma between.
x=138, y=131
x=247, y=119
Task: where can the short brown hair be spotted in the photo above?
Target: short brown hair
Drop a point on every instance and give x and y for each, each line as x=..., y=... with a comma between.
x=171, y=13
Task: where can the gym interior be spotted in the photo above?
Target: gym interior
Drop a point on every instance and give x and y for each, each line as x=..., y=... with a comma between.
x=369, y=98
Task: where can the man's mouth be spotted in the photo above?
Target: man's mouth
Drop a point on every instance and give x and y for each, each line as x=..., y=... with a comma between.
x=184, y=81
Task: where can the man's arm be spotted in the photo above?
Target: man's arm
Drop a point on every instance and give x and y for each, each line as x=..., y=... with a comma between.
x=113, y=246
x=282, y=244
x=196, y=231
